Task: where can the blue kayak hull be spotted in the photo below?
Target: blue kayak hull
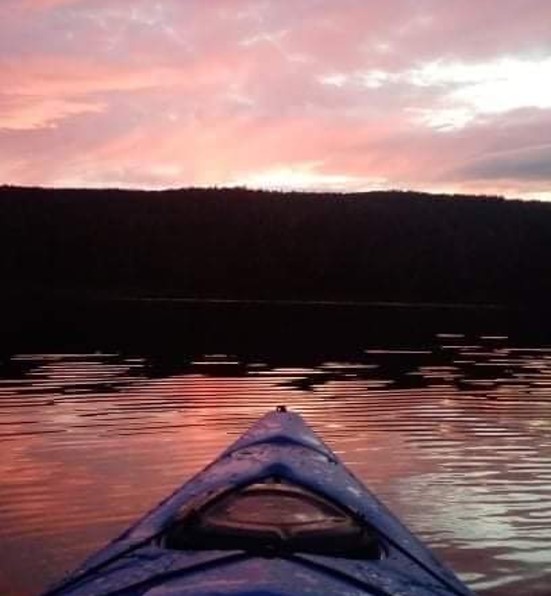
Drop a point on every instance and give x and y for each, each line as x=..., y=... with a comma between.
x=280, y=445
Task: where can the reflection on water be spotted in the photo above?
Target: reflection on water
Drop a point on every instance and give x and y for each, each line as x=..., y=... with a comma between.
x=454, y=436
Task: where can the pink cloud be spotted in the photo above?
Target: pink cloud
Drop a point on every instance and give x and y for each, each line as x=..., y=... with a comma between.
x=44, y=4
x=173, y=93
x=27, y=113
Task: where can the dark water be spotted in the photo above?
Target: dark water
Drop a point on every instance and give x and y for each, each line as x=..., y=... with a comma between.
x=454, y=434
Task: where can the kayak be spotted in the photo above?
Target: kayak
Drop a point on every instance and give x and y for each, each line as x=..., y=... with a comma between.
x=276, y=514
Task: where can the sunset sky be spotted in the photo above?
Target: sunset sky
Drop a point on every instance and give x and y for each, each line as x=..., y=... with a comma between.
x=437, y=95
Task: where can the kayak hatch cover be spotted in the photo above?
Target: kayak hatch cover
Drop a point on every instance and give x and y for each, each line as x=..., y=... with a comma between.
x=276, y=514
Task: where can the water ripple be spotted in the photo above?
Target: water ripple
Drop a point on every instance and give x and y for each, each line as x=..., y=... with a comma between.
x=454, y=437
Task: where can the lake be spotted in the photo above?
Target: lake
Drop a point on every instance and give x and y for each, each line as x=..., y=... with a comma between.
x=452, y=431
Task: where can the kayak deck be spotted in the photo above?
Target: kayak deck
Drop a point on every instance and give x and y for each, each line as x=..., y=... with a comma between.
x=276, y=513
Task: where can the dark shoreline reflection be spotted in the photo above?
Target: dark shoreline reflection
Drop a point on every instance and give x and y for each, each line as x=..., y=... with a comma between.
x=446, y=417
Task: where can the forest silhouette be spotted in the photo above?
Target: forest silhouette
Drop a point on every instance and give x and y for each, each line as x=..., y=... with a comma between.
x=240, y=244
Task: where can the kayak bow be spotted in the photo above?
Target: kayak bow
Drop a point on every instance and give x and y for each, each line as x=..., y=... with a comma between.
x=276, y=514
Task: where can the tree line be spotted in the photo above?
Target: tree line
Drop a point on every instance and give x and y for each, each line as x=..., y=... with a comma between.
x=241, y=244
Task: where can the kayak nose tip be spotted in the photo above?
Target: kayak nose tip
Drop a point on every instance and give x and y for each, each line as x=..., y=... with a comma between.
x=281, y=408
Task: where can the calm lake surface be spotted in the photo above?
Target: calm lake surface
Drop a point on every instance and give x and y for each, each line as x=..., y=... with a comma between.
x=453, y=434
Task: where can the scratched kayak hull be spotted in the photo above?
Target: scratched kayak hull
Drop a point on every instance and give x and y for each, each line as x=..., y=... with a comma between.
x=276, y=514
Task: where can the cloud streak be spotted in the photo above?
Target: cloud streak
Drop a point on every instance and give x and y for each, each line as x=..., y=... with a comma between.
x=302, y=94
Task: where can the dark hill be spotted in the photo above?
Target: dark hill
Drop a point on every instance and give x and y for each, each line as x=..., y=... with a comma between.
x=239, y=244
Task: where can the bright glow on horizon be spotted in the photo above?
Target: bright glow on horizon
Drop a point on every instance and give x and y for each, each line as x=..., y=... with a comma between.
x=305, y=177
